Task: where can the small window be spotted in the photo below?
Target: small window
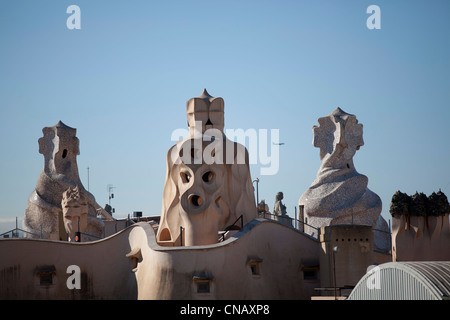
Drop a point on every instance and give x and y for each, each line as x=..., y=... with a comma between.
x=203, y=286
x=309, y=274
x=202, y=283
x=310, y=271
x=46, y=279
x=255, y=269
x=44, y=275
x=254, y=264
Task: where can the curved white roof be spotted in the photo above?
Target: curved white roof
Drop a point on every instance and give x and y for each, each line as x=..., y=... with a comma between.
x=418, y=280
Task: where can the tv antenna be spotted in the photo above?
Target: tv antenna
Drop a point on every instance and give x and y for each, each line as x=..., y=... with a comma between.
x=110, y=193
x=88, y=176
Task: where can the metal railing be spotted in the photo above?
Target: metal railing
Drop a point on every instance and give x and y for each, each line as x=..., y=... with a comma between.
x=15, y=232
x=230, y=227
x=90, y=235
x=295, y=223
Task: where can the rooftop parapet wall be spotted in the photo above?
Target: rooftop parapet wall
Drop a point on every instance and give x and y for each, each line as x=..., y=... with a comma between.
x=36, y=269
x=265, y=260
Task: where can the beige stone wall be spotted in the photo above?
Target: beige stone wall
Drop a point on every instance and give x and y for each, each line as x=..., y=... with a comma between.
x=354, y=255
x=105, y=271
x=277, y=252
x=420, y=238
x=265, y=260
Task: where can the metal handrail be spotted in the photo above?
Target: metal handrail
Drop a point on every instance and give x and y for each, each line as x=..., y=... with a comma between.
x=24, y=231
x=232, y=225
x=292, y=219
x=41, y=234
x=18, y=229
x=90, y=235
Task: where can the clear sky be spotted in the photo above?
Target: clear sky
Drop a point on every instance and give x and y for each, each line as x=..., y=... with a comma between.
x=123, y=80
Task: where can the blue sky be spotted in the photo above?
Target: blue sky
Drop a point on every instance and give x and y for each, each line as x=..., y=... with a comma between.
x=123, y=81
